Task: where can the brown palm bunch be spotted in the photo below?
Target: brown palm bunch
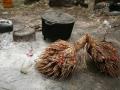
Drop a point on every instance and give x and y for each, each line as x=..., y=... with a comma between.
x=105, y=56
x=59, y=59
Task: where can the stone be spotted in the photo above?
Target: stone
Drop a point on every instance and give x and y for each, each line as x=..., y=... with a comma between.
x=24, y=35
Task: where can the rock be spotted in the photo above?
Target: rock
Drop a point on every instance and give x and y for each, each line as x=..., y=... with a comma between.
x=28, y=34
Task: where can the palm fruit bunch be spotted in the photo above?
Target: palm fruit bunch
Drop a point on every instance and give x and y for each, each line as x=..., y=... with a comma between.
x=59, y=59
x=105, y=56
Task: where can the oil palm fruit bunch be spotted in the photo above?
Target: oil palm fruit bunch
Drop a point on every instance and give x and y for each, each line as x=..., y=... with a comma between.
x=59, y=59
x=105, y=56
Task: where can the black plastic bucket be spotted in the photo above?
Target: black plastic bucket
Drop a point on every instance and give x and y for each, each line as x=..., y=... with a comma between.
x=57, y=25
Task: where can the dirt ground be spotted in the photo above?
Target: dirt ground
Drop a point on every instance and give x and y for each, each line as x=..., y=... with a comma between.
x=13, y=55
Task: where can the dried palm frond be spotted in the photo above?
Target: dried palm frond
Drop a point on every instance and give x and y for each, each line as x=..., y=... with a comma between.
x=105, y=56
x=59, y=59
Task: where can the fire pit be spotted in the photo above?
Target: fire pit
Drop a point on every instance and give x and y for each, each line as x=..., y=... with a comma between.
x=57, y=25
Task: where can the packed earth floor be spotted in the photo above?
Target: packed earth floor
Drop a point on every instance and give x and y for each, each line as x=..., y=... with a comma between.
x=17, y=68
